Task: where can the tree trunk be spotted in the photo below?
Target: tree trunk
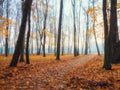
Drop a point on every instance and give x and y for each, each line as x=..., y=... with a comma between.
x=22, y=54
x=59, y=31
x=74, y=25
x=6, y=37
x=107, y=64
x=21, y=33
x=113, y=30
x=44, y=27
x=28, y=36
x=98, y=51
x=86, y=41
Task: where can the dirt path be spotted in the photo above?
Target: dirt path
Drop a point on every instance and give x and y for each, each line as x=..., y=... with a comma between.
x=53, y=76
x=41, y=75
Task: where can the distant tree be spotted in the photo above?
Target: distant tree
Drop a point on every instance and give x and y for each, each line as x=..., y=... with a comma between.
x=18, y=48
x=107, y=64
x=63, y=41
x=79, y=18
x=7, y=27
x=1, y=2
x=44, y=27
x=74, y=25
x=59, y=31
x=98, y=51
x=55, y=31
x=1, y=7
x=87, y=28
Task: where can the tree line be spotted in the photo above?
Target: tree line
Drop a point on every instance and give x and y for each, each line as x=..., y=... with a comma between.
x=110, y=25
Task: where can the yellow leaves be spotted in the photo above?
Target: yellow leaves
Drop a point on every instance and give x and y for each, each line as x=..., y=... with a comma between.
x=94, y=19
x=7, y=21
x=90, y=31
x=4, y=25
x=90, y=10
x=44, y=31
x=50, y=35
x=87, y=12
x=118, y=5
x=2, y=29
x=2, y=18
x=5, y=33
x=93, y=16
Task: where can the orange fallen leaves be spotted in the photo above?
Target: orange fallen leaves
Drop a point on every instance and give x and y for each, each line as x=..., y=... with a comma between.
x=92, y=76
x=69, y=73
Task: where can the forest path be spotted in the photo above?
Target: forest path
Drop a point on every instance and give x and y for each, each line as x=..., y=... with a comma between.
x=40, y=75
x=51, y=76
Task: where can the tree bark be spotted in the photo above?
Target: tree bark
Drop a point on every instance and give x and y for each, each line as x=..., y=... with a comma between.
x=74, y=25
x=107, y=64
x=59, y=31
x=44, y=27
x=16, y=54
x=6, y=37
x=113, y=29
x=98, y=51
x=28, y=36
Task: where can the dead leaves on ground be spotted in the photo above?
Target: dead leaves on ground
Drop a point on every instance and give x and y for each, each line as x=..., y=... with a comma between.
x=66, y=74
x=93, y=77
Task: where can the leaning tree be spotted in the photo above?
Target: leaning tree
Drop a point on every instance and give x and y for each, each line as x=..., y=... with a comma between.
x=18, y=47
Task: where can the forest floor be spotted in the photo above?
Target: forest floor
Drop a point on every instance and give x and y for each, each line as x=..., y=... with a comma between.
x=70, y=73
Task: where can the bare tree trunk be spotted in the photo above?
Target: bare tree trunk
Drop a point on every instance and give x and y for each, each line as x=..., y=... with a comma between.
x=37, y=43
x=6, y=37
x=55, y=38
x=63, y=38
x=86, y=41
x=107, y=64
x=59, y=31
x=75, y=41
x=44, y=27
x=21, y=33
x=23, y=42
x=22, y=52
x=28, y=36
x=94, y=31
x=113, y=30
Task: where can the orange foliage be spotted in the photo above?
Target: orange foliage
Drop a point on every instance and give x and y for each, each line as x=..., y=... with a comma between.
x=89, y=10
x=5, y=33
x=5, y=23
x=68, y=73
x=92, y=76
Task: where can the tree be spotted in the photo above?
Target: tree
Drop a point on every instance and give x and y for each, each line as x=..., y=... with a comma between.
x=23, y=42
x=87, y=28
x=1, y=2
x=18, y=47
x=94, y=30
x=28, y=36
x=107, y=64
x=79, y=26
x=75, y=41
x=113, y=30
x=7, y=27
x=59, y=31
x=44, y=27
